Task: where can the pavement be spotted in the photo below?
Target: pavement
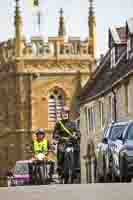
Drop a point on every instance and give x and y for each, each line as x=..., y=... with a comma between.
x=123, y=191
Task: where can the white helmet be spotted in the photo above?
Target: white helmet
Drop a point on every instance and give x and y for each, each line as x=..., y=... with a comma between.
x=66, y=109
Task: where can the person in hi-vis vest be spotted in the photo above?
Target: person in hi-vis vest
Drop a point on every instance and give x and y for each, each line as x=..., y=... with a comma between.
x=64, y=128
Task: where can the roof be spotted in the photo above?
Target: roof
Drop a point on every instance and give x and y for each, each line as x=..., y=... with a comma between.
x=122, y=34
x=130, y=25
x=106, y=78
x=119, y=34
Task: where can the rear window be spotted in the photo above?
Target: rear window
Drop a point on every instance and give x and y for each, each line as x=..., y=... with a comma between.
x=117, y=131
x=22, y=168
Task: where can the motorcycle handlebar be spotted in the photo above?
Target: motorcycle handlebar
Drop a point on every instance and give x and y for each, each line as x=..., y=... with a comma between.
x=71, y=138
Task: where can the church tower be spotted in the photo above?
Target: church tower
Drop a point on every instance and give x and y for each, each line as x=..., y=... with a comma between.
x=92, y=29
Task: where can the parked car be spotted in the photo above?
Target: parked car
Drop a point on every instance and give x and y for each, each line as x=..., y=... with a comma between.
x=21, y=174
x=104, y=153
x=122, y=154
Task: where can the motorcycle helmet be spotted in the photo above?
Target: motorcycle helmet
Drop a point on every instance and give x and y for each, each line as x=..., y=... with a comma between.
x=40, y=131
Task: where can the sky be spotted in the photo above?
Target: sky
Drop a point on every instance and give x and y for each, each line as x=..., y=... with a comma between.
x=108, y=13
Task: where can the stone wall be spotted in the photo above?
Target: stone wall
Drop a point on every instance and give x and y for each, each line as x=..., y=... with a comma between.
x=124, y=111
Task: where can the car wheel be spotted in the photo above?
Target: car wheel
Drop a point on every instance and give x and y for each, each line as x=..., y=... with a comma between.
x=123, y=177
x=114, y=178
x=99, y=178
x=107, y=177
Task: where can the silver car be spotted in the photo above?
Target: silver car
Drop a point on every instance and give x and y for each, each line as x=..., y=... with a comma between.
x=122, y=154
x=104, y=151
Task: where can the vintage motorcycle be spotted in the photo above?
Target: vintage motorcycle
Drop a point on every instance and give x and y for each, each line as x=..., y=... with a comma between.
x=43, y=169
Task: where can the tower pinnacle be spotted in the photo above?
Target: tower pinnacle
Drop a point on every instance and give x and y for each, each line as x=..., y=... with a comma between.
x=18, y=24
x=92, y=29
x=61, y=31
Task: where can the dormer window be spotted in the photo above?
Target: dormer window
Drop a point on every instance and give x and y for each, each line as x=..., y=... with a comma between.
x=113, y=57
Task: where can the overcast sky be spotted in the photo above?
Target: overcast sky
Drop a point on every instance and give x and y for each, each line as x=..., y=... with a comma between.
x=108, y=13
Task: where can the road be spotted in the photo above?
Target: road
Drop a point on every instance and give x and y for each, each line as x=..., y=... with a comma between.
x=70, y=192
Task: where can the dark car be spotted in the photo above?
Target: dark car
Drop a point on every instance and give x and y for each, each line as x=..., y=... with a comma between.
x=22, y=174
x=122, y=154
x=103, y=151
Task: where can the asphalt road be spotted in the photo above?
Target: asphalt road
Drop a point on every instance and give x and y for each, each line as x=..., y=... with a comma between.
x=70, y=192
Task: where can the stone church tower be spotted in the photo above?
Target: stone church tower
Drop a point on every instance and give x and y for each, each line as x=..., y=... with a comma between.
x=38, y=78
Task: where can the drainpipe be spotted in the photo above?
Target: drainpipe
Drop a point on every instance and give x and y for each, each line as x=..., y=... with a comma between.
x=114, y=106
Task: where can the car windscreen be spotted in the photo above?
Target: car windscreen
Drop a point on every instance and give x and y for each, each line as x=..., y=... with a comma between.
x=22, y=168
x=117, y=131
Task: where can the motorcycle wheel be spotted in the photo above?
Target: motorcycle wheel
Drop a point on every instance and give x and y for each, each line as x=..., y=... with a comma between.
x=42, y=175
x=68, y=168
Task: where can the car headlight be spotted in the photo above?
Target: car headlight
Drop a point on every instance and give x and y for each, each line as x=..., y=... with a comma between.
x=124, y=153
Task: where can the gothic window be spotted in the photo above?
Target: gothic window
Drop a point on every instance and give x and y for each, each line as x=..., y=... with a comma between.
x=55, y=103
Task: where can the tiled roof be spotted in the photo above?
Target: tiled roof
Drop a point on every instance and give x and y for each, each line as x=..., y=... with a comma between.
x=106, y=78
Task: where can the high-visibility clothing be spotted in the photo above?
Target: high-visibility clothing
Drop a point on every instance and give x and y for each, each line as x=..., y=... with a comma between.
x=65, y=129
x=40, y=146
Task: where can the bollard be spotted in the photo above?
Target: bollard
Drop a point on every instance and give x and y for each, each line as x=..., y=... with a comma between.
x=88, y=171
x=93, y=170
x=87, y=175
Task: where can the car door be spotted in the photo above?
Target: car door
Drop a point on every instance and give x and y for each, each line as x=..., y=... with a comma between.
x=128, y=138
x=117, y=143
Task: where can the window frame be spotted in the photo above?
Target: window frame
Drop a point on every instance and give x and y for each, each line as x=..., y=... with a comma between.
x=56, y=104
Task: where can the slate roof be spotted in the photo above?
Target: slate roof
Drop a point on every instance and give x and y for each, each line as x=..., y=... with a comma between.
x=105, y=78
x=122, y=34
x=118, y=34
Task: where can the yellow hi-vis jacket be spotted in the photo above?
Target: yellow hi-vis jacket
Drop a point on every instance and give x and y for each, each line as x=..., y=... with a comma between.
x=40, y=146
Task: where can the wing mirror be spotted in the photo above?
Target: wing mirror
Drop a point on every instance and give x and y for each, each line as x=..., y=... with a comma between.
x=105, y=140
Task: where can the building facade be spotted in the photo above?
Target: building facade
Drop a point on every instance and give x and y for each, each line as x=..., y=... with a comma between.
x=37, y=79
x=108, y=96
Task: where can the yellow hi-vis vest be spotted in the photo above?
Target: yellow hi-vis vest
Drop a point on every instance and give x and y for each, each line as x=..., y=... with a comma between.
x=39, y=146
x=65, y=129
